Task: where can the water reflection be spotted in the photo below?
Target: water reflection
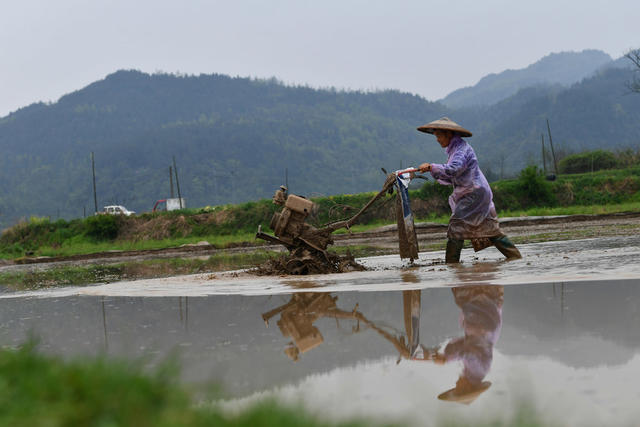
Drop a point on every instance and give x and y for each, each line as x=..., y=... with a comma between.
x=480, y=272
x=480, y=319
x=297, y=317
x=562, y=345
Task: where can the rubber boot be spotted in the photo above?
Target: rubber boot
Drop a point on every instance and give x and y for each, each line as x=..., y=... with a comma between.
x=505, y=246
x=454, y=248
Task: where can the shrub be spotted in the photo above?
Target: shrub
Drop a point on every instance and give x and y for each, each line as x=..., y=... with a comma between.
x=534, y=189
x=435, y=190
x=589, y=161
x=38, y=220
x=102, y=227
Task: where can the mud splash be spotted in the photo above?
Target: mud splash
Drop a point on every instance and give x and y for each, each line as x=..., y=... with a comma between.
x=304, y=261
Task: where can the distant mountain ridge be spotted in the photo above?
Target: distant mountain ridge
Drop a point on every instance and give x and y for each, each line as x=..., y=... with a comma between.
x=565, y=68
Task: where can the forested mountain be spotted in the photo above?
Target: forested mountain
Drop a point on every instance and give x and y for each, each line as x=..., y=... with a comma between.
x=563, y=68
x=598, y=112
x=235, y=138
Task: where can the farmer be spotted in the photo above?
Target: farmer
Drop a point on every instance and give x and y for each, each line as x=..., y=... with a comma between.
x=473, y=213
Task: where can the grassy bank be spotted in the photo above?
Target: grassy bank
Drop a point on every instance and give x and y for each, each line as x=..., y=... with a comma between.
x=40, y=237
x=605, y=191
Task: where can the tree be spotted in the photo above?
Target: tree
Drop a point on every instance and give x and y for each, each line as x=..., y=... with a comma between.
x=634, y=56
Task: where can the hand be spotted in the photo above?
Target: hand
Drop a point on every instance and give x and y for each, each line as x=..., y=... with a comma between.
x=439, y=359
x=425, y=167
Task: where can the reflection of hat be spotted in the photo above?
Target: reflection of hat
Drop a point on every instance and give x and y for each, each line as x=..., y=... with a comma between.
x=292, y=352
x=444, y=123
x=464, y=396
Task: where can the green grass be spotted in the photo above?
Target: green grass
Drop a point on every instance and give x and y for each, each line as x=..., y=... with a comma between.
x=72, y=248
x=79, y=245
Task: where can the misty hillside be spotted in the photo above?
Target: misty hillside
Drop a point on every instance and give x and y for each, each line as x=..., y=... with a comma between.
x=235, y=139
x=562, y=69
x=597, y=113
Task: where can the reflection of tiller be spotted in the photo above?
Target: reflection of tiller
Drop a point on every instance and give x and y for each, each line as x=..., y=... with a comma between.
x=299, y=314
x=297, y=318
x=304, y=241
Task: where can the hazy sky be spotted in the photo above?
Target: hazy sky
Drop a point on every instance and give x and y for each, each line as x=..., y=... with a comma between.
x=53, y=47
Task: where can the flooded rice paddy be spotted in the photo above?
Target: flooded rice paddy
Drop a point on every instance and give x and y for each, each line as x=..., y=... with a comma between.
x=557, y=331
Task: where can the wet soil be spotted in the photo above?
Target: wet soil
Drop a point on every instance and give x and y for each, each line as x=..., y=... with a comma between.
x=304, y=261
x=586, y=260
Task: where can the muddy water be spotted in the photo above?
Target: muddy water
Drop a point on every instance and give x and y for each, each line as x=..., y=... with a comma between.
x=570, y=348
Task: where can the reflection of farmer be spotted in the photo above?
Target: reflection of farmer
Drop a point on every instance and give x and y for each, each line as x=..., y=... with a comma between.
x=481, y=319
x=473, y=213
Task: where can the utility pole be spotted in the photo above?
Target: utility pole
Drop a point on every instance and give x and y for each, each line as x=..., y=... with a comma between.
x=544, y=158
x=93, y=169
x=553, y=152
x=175, y=169
x=171, y=180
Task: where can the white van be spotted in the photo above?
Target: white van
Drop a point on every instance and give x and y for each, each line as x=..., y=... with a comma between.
x=116, y=210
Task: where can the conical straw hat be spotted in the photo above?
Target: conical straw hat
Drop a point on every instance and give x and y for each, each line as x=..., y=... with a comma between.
x=465, y=397
x=444, y=123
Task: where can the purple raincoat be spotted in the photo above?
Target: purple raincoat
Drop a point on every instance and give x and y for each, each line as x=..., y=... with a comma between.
x=473, y=213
